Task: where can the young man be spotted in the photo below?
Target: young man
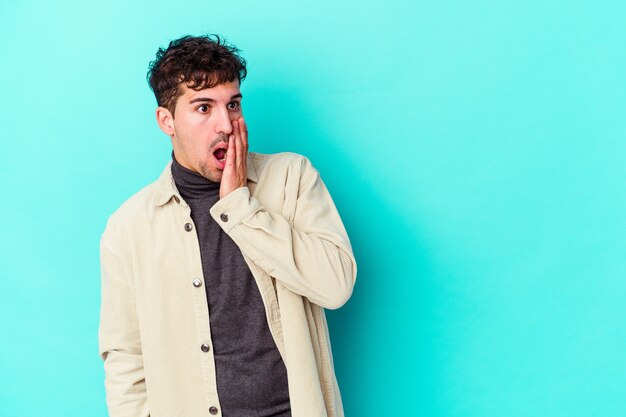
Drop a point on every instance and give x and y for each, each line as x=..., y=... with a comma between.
x=215, y=277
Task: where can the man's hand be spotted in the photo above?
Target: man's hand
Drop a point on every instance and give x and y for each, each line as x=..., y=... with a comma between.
x=235, y=170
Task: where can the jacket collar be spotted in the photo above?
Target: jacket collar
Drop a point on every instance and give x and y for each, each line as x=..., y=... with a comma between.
x=166, y=187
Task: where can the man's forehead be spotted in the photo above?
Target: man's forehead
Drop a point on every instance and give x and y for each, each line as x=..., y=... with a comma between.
x=227, y=89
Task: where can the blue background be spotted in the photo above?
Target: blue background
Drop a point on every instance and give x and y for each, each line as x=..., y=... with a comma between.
x=476, y=152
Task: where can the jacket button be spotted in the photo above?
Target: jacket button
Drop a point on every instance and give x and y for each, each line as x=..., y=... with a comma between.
x=224, y=217
x=205, y=348
x=213, y=410
x=188, y=227
x=197, y=283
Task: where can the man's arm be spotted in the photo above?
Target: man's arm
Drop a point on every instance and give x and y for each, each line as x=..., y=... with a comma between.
x=312, y=258
x=118, y=338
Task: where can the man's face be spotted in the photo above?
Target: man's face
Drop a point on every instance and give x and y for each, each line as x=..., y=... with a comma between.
x=201, y=126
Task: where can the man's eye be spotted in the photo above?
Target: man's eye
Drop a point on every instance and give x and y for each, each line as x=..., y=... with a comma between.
x=234, y=105
x=203, y=108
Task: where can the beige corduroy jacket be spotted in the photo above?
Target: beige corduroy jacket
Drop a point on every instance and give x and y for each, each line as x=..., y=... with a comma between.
x=154, y=317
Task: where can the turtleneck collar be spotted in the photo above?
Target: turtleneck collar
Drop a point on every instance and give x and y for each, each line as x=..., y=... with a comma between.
x=191, y=184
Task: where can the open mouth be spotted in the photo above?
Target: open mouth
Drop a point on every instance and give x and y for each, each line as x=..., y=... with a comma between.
x=220, y=156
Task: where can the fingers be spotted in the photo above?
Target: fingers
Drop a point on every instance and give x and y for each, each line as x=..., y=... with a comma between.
x=239, y=148
x=235, y=169
x=244, y=134
x=230, y=153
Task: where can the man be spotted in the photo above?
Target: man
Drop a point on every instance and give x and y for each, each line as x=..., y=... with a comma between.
x=215, y=277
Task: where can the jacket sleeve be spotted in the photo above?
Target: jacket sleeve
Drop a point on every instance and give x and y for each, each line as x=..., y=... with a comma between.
x=311, y=255
x=118, y=339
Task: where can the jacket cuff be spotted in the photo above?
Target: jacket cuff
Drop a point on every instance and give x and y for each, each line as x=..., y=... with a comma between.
x=229, y=211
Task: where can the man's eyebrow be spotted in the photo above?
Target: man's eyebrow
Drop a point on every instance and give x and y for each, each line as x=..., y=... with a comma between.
x=195, y=100
x=210, y=100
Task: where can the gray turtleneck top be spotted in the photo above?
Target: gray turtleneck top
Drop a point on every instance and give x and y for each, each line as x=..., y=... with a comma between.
x=251, y=375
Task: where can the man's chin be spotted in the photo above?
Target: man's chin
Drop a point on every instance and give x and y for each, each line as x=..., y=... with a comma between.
x=214, y=175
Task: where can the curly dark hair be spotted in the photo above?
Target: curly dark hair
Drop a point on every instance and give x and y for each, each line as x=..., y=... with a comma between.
x=199, y=61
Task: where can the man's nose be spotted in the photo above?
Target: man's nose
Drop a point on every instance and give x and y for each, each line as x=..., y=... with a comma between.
x=224, y=124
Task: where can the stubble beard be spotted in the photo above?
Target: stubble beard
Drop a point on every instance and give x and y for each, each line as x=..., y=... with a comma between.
x=205, y=170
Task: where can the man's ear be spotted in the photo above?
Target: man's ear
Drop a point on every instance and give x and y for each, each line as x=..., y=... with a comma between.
x=165, y=120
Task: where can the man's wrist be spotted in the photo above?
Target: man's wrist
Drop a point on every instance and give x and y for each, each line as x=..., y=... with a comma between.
x=234, y=207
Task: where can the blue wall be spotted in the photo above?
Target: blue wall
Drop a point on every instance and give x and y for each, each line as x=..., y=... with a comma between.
x=476, y=151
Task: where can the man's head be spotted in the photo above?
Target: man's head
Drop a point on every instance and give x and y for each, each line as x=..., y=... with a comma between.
x=196, y=83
